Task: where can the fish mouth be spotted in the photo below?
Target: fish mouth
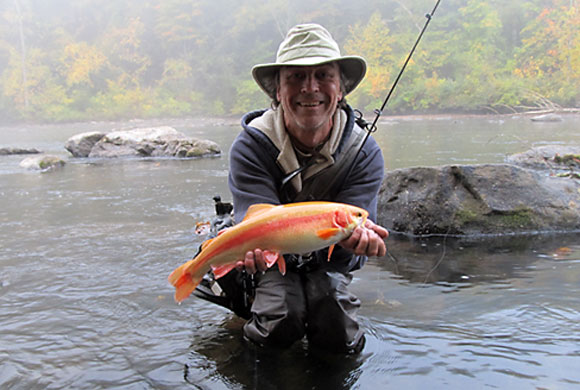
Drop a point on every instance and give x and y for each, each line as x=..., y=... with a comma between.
x=362, y=220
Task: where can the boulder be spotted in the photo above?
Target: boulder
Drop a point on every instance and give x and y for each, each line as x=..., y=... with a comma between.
x=43, y=162
x=80, y=145
x=488, y=199
x=152, y=142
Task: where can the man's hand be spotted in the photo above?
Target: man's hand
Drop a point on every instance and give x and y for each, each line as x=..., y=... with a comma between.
x=367, y=240
x=253, y=262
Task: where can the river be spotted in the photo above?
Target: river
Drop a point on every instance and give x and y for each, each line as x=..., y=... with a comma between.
x=85, y=251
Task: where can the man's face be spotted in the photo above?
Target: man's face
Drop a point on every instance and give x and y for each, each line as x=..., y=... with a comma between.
x=309, y=96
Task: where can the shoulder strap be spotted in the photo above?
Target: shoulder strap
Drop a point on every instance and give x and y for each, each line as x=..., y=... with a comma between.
x=328, y=181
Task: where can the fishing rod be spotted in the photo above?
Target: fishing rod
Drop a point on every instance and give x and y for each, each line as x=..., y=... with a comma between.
x=373, y=127
x=370, y=128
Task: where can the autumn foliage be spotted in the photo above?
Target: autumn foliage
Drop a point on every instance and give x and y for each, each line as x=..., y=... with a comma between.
x=98, y=59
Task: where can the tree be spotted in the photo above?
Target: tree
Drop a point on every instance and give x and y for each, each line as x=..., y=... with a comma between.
x=373, y=42
x=550, y=54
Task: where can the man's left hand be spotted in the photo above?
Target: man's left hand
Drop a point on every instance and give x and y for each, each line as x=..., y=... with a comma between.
x=367, y=240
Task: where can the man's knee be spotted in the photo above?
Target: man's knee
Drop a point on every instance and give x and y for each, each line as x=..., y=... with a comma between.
x=280, y=331
x=278, y=312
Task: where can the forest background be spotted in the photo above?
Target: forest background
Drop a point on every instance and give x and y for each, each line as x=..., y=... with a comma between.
x=63, y=60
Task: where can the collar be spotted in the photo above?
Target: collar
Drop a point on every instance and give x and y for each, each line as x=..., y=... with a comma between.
x=271, y=123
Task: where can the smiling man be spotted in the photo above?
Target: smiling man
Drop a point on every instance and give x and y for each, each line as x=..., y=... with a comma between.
x=309, y=97
x=305, y=148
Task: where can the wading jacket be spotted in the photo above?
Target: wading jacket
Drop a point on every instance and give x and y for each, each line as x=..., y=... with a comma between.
x=256, y=177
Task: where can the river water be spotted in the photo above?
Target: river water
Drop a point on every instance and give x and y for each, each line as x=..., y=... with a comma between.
x=85, y=251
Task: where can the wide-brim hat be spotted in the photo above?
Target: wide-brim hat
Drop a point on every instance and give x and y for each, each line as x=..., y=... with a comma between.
x=309, y=45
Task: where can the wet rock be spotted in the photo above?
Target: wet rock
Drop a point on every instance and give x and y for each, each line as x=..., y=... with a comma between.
x=144, y=142
x=43, y=162
x=549, y=157
x=80, y=145
x=10, y=151
x=478, y=199
x=551, y=117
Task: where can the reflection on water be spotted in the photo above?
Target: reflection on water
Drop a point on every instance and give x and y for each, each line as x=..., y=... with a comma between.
x=229, y=359
x=85, y=252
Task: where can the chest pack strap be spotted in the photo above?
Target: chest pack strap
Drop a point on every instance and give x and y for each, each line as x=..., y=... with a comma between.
x=326, y=183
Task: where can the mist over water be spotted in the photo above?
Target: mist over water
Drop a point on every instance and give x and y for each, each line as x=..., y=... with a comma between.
x=85, y=252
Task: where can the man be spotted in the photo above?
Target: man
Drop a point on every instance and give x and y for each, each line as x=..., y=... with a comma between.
x=284, y=155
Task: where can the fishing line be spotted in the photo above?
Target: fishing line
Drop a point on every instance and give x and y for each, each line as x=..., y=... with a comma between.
x=371, y=128
x=440, y=257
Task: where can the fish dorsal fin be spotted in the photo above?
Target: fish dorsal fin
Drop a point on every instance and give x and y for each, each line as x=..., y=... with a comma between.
x=206, y=243
x=257, y=209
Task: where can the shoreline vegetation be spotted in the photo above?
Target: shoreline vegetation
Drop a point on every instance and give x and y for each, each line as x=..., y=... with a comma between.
x=234, y=120
x=116, y=60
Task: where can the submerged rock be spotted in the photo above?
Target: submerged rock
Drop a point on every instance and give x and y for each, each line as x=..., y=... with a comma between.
x=142, y=142
x=551, y=117
x=478, y=199
x=10, y=151
x=44, y=162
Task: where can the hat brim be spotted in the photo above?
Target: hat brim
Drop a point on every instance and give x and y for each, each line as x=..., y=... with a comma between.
x=353, y=68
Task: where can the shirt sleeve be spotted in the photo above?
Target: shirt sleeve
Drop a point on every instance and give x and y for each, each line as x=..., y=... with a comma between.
x=252, y=177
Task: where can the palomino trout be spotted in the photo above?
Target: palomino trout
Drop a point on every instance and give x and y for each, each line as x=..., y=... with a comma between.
x=277, y=230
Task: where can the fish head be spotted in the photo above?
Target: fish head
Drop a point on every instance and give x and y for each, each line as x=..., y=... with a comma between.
x=349, y=217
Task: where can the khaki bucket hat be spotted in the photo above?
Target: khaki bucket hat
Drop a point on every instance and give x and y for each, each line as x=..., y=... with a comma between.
x=309, y=45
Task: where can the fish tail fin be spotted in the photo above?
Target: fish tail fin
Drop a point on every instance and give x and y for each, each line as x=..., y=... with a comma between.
x=176, y=274
x=184, y=286
x=183, y=281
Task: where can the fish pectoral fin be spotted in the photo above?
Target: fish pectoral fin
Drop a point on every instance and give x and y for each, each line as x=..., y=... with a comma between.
x=222, y=270
x=282, y=265
x=271, y=257
x=327, y=233
x=257, y=209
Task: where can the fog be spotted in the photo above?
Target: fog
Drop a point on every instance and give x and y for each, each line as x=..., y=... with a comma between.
x=90, y=59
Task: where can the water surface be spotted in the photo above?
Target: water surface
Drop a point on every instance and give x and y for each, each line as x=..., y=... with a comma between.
x=85, y=251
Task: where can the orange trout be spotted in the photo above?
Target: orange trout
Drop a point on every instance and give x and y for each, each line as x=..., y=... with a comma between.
x=292, y=228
